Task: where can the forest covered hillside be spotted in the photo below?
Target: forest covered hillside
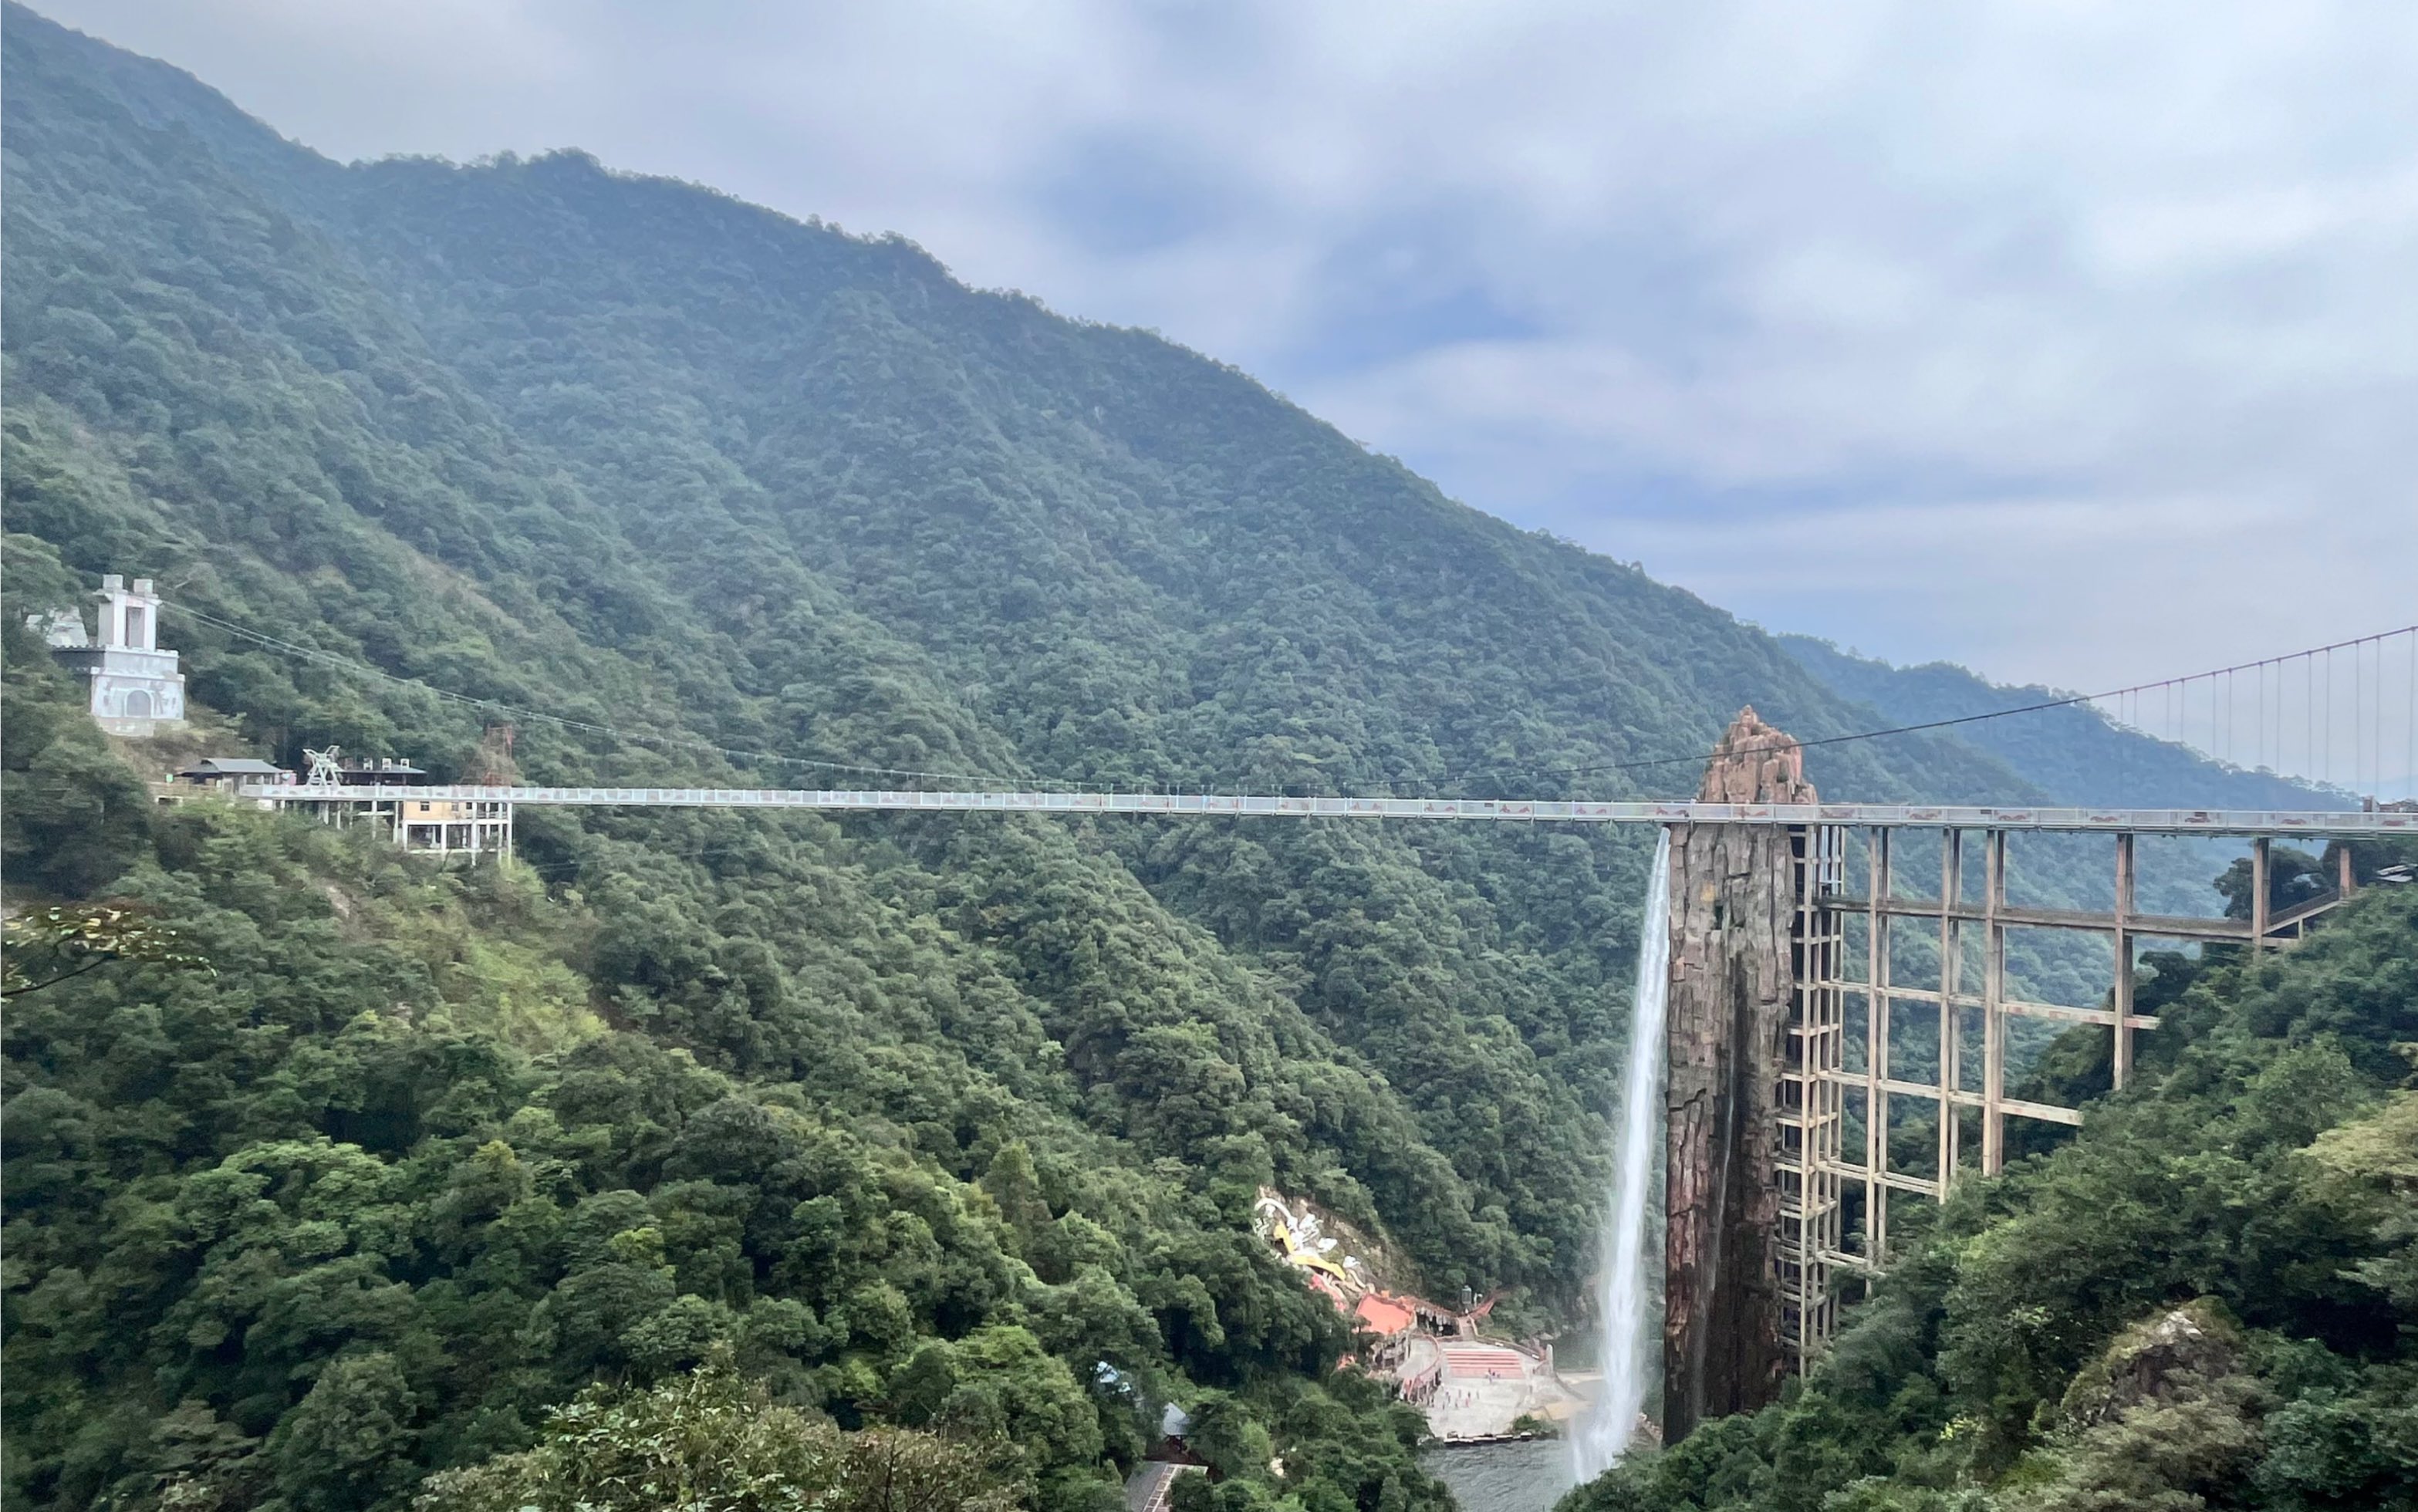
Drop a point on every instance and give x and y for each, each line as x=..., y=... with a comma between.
x=915, y=1122
x=383, y=1162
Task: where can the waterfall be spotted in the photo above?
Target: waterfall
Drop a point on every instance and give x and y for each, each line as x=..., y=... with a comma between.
x=1628, y=1356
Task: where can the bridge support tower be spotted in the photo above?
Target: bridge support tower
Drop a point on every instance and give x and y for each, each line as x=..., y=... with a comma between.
x=1859, y=987
x=1806, y=962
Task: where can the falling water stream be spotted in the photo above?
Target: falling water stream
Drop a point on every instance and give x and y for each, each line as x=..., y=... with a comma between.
x=1603, y=1435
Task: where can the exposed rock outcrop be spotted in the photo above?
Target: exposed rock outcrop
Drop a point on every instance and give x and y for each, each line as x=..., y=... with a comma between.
x=2164, y=1418
x=2178, y=1352
x=1732, y=912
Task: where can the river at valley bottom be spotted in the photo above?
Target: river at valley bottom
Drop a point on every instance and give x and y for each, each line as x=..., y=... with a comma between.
x=1504, y=1478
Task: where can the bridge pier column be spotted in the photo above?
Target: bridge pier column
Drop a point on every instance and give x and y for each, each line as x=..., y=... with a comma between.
x=2123, y=1001
x=1952, y=975
x=2260, y=852
x=1993, y=1018
x=1878, y=887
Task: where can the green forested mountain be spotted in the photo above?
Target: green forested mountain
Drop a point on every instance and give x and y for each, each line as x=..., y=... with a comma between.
x=913, y=1120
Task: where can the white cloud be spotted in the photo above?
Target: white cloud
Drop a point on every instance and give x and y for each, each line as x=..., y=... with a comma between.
x=2107, y=309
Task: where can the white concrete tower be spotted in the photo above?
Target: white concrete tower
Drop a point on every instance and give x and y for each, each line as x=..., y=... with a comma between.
x=135, y=686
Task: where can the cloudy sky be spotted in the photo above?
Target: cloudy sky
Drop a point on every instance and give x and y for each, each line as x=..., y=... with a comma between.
x=2076, y=342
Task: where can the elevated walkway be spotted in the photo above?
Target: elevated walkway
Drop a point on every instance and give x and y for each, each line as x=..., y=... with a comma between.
x=1552, y=811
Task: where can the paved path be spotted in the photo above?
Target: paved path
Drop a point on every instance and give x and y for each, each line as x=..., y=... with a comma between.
x=1152, y=1482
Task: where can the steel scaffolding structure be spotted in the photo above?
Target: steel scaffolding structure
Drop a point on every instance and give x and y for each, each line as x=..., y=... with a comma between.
x=1809, y=1102
x=1815, y=1171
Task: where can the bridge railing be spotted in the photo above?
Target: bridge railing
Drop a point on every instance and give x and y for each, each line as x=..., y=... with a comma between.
x=1563, y=811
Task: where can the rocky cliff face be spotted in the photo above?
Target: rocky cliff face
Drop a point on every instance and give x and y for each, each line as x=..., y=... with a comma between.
x=1731, y=912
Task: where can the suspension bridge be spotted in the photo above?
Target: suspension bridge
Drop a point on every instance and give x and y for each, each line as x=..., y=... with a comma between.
x=2317, y=822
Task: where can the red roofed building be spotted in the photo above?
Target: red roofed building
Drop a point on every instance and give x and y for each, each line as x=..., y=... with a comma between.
x=1383, y=1315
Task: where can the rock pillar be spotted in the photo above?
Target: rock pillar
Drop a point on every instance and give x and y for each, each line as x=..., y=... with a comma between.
x=1733, y=909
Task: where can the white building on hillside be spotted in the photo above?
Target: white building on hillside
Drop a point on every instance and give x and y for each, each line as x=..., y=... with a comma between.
x=135, y=687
